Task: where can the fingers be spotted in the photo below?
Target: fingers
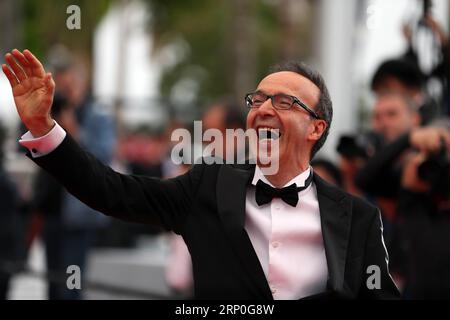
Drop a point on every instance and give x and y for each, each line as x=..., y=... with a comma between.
x=433, y=142
x=49, y=82
x=430, y=139
x=23, y=62
x=35, y=65
x=21, y=66
x=439, y=138
x=18, y=71
x=10, y=75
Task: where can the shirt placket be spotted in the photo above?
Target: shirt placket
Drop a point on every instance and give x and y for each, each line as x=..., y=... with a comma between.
x=275, y=243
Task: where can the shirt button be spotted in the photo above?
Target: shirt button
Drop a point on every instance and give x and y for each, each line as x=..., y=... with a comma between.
x=34, y=150
x=274, y=290
x=275, y=244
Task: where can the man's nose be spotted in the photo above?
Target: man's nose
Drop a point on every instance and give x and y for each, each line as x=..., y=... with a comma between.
x=267, y=108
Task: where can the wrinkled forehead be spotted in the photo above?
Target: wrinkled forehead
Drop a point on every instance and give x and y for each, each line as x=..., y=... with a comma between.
x=291, y=83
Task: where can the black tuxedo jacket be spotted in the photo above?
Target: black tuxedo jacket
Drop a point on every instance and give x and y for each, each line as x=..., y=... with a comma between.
x=207, y=207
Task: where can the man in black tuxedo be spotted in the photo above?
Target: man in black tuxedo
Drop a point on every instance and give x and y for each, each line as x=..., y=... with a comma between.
x=288, y=235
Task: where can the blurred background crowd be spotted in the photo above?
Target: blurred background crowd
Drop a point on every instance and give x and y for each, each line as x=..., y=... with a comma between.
x=138, y=69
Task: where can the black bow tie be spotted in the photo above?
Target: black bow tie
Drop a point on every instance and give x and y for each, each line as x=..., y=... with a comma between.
x=265, y=193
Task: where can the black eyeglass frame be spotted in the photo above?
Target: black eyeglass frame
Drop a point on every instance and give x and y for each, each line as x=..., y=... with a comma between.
x=296, y=100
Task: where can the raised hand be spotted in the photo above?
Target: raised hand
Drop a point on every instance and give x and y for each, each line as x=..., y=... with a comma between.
x=33, y=90
x=429, y=139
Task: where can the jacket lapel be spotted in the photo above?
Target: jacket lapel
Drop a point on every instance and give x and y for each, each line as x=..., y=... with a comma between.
x=335, y=216
x=232, y=183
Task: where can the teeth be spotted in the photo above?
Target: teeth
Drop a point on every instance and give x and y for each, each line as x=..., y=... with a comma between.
x=268, y=133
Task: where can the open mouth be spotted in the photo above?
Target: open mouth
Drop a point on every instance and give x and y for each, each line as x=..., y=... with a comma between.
x=268, y=133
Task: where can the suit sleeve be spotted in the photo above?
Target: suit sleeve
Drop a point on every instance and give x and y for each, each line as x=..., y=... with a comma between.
x=131, y=198
x=378, y=283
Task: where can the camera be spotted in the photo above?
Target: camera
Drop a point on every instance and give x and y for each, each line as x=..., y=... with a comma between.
x=362, y=145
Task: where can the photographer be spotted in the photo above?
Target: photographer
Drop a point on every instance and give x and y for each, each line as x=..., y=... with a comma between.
x=396, y=119
x=423, y=205
x=433, y=56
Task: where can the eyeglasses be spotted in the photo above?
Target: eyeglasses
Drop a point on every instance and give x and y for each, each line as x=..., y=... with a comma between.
x=279, y=101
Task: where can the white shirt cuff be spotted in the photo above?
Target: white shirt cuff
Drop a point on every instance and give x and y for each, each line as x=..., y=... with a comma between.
x=42, y=146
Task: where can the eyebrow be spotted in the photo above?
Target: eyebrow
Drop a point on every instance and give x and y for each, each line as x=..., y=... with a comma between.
x=276, y=92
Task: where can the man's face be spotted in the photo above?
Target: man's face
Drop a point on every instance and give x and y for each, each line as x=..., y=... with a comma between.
x=295, y=125
x=71, y=86
x=392, y=117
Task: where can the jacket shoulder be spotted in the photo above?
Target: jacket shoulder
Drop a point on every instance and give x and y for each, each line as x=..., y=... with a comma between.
x=359, y=205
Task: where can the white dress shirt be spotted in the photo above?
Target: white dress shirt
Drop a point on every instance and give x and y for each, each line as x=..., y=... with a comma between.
x=41, y=146
x=287, y=240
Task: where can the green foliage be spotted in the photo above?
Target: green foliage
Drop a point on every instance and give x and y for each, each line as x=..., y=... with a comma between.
x=202, y=24
x=207, y=27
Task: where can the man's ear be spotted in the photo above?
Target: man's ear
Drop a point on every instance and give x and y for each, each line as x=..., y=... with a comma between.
x=318, y=128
